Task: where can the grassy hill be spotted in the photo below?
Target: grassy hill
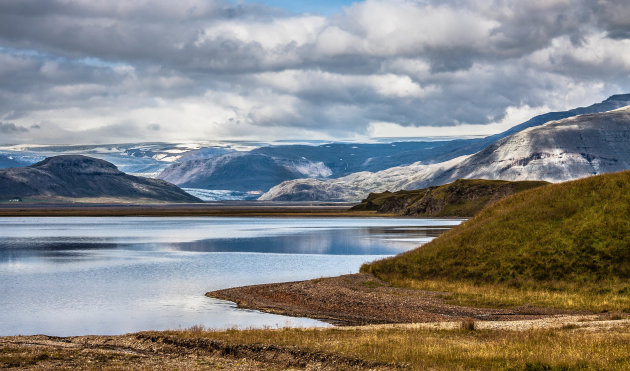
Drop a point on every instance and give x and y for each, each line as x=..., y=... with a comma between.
x=461, y=198
x=573, y=232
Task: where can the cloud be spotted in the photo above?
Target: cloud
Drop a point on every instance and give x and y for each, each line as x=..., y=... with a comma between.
x=90, y=71
x=10, y=128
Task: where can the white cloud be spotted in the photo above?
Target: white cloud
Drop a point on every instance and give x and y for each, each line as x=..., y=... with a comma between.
x=512, y=116
x=300, y=81
x=272, y=34
x=201, y=69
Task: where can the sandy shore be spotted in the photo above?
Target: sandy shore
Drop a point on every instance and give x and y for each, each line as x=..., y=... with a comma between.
x=362, y=299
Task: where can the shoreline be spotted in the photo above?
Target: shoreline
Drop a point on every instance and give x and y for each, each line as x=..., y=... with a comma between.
x=362, y=299
x=222, y=209
x=381, y=326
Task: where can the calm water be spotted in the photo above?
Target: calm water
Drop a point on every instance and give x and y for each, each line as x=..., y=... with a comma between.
x=72, y=276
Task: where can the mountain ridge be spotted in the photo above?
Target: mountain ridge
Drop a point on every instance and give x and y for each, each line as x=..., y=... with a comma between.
x=337, y=160
x=556, y=151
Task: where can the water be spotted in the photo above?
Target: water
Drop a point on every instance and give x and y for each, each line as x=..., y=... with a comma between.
x=73, y=276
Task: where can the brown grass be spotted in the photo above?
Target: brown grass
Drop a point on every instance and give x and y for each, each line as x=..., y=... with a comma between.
x=465, y=348
x=595, y=297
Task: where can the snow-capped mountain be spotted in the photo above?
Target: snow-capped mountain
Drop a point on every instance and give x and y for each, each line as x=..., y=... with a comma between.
x=243, y=170
x=356, y=186
x=240, y=171
x=262, y=168
x=145, y=159
x=560, y=150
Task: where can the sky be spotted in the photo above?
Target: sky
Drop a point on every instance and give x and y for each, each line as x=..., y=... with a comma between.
x=112, y=71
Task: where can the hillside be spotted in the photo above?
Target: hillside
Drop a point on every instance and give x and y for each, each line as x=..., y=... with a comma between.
x=232, y=171
x=557, y=151
x=462, y=198
x=576, y=232
x=80, y=177
x=356, y=186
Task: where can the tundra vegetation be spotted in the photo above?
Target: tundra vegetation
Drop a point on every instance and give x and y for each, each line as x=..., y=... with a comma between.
x=461, y=198
x=563, y=245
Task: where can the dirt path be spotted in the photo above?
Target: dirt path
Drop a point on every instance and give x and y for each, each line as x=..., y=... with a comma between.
x=362, y=299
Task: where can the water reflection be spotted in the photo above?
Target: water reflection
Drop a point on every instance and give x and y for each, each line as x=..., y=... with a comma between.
x=359, y=241
x=71, y=276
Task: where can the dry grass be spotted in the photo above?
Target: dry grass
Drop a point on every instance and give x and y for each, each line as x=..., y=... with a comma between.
x=57, y=358
x=609, y=297
x=465, y=348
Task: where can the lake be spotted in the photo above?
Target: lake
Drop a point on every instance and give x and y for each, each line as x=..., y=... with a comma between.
x=111, y=275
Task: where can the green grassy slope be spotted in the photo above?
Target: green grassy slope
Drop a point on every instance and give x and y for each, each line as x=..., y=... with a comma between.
x=576, y=231
x=461, y=198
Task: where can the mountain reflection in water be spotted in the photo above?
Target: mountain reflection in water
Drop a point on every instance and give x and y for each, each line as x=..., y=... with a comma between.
x=72, y=276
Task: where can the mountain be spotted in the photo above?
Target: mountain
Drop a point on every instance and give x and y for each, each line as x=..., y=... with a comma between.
x=264, y=167
x=577, y=232
x=237, y=169
x=81, y=177
x=462, y=198
x=561, y=150
x=240, y=171
x=335, y=160
x=143, y=159
x=611, y=103
x=11, y=161
x=356, y=186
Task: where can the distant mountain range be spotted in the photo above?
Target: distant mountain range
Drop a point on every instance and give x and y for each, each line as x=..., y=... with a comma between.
x=560, y=150
x=145, y=159
x=317, y=171
x=262, y=168
x=75, y=177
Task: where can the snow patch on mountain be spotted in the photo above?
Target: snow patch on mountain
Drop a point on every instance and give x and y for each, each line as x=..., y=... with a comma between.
x=312, y=169
x=221, y=194
x=355, y=186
